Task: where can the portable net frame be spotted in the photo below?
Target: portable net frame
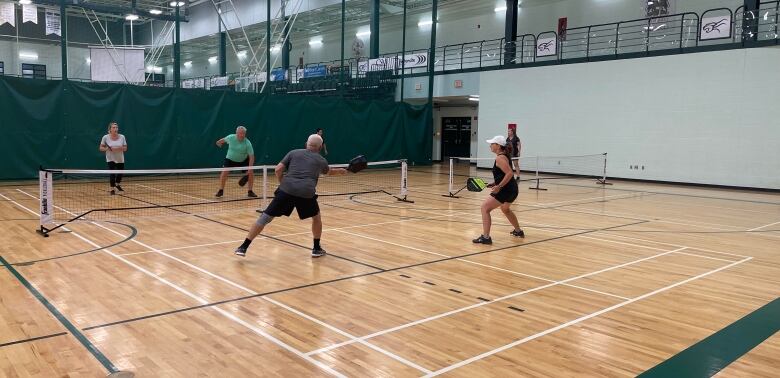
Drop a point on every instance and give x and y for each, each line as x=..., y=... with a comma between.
x=70, y=195
x=539, y=168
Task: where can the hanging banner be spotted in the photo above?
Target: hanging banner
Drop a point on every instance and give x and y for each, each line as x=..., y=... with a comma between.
x=53, y=22
x=220, y=81
x=315, y=71
x=7, y=14
x=186, y=83
x=46, y=195
x=29, y=13
x=715, y=27
x=278, y=74
x=392, y=63
x=546, y=47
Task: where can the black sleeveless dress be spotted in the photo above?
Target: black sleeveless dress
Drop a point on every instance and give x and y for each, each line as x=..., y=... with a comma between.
x=509, y=192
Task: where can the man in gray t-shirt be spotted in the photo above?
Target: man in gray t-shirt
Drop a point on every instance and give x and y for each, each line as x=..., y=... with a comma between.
x=297, y=190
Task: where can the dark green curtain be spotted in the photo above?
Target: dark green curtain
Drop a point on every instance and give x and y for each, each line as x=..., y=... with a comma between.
x=57, y=124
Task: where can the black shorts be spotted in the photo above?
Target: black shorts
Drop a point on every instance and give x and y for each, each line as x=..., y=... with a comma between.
x=230, y=163
x=507, y=193
x=283, y=204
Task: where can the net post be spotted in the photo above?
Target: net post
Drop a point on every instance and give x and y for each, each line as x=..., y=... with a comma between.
x=537, y=177
x=404, y=182
x=450, y=187
x=265, y=187
x=603, y=179
x=46, y=200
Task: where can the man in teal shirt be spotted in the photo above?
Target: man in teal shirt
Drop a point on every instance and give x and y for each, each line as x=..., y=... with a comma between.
x=240, y=154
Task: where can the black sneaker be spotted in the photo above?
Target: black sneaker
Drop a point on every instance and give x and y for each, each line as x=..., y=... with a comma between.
x=251, y=194
x=519, y=233
x=241, y=251
x=219, y=193
x=242, y=181
x=318, y=252
x=483, y=240
x=119, y=188
x=112, y=192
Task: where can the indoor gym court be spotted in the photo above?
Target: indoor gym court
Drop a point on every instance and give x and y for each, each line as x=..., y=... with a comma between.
x=609, y=281
x=649, y=192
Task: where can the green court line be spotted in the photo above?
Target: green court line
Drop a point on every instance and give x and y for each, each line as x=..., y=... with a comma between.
x=709, y=356
x=57, y=314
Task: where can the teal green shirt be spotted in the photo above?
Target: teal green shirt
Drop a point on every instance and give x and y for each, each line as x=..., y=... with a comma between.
x=238, y=151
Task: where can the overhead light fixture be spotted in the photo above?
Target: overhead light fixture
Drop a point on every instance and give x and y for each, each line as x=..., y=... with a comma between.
x=155, y=11
x=213, y=59
x=315, y=42
x=154, y=69
x=176, y=3
x=425, y=23
x=276, y=48
x=25, y=2
x=131, y=17
x=89, y=61
x=363, y=33
x=474, y=99
x=241, y=54
x=188, y=63
x=500, y=9
x=28, y=55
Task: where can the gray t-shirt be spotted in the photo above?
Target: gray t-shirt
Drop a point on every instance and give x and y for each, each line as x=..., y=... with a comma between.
x=303, y=170
x=115, y=154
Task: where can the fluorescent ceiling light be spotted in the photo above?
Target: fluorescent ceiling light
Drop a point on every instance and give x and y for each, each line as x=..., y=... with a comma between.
x=315, y=42
x=131, y=17
x=25, y=2
x=188, y=63
x=241, y=54
x=213, y=59
x=474, y=99
x=155, y=11
x=89, y=61
x=500, y=9
x=276, y=48
x=176, y=3
x=363, y=33
x=28, y=55
x=425, y=23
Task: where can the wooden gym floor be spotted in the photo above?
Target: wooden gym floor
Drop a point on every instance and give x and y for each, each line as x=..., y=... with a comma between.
x=608, y=282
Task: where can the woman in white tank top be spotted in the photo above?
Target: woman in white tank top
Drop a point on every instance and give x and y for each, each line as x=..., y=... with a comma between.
x=114, y=145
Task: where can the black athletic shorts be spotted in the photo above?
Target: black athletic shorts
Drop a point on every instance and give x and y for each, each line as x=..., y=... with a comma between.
x=230, y=163
x=283, y=204
x=507, y=193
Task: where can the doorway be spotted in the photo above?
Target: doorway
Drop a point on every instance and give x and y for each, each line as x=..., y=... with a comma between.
x=455, y=137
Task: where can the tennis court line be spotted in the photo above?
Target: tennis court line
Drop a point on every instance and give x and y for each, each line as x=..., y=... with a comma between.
x=290, y=234
x=580, y=319
x=482, y=303
x=638, y=239
x=202, y=301
x=231, y=316
x=764, y=226
x=480, y=264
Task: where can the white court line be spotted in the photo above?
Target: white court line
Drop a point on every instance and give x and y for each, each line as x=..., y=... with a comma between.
x=764, y=226
x=674, y=245
x=625, y=196
x=704, y=257
x=578, y=320
x=234, y=284
x=476, y=305
x=203, y=301
x=290, y=234
x=480, y=264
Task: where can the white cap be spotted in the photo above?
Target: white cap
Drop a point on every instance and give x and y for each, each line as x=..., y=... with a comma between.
x=498, y=139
